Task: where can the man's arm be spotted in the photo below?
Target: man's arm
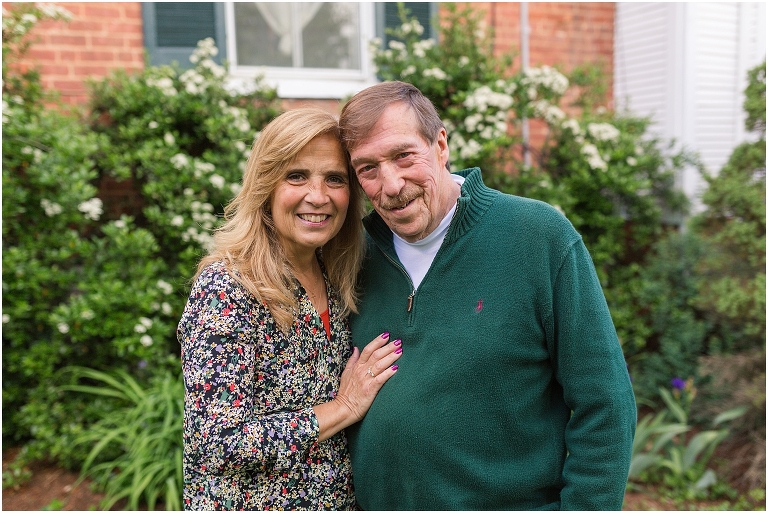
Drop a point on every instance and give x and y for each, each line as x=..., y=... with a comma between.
x=591, y=369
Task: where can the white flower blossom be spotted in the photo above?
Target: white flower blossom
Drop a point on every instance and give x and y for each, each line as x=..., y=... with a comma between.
x=548, y=78
x=169, y=139
x=93, y=208
x=120, y=223
x=87, y=315
x=240, y=145
x=235, y=188
x=63, y=327
x=164, y=84
x=146, y=321
x=471, y=149
x=146, y=341
x=217, y=181
x=410, y=70
x=152, y=125
x=593, y=157
x=140, y=328
x=6, y=318
x=572, y=125
x=188, y=192
x=604, y=132
x=166, y=287
x=483, y=97
x=51, y=209
x=632, y=161
x=436, y=73
x=177, y=220
x=471, y=122
x=397, y=45
x=551, y=113
x=179, y=161
x=463, y=61
x=167, y=310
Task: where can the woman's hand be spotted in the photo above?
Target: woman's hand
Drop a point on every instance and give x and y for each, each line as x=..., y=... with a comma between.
x=361, y=380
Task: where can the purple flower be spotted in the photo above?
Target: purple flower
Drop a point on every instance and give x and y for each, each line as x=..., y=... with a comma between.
x=678, y=383
x=142, y=364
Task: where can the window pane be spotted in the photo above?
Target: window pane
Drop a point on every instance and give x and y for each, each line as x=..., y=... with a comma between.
x=183, y=23
x=257, y=44
x=331, y=39
x=327, y=34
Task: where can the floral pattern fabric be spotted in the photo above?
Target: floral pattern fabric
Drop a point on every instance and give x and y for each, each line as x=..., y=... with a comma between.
x=250, y=433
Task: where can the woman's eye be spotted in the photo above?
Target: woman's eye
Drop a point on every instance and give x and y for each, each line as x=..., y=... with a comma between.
x=337, y=180
x=294, y=177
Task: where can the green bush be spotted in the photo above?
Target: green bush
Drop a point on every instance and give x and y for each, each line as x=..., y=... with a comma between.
x=90, y=277
x=733, y=227
x=135, y=451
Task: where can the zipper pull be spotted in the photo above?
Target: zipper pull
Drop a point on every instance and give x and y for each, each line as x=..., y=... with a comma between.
x=410, y=300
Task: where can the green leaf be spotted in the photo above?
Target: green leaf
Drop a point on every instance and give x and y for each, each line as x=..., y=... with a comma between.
x=728, y=415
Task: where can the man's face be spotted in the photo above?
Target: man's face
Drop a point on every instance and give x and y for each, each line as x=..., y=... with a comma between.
x=404, y=175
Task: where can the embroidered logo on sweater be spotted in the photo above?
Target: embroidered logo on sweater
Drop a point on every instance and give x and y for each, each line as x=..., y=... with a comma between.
x=479, y=307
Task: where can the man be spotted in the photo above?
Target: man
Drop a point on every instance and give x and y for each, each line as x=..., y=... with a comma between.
x=512, y=391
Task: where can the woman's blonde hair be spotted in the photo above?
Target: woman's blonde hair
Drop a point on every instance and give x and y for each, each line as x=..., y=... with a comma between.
x=247, y=241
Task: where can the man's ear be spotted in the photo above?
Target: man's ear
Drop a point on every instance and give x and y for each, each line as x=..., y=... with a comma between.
x=442, y=147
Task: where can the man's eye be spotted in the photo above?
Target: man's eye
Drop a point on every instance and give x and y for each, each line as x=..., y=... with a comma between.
x=402, y=155
x=365, y=169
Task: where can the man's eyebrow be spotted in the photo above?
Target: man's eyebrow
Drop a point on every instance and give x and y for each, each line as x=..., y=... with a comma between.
x=391, y=151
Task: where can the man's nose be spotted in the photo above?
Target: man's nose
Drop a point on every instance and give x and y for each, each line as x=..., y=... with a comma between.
x=391, y=181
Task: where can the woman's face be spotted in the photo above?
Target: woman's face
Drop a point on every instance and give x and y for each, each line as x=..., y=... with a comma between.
x=310, y=203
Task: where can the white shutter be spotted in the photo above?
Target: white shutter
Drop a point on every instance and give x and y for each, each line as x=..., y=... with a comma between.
x=684, y=65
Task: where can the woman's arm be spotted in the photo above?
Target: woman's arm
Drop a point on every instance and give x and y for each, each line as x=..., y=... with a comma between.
x=222, y=430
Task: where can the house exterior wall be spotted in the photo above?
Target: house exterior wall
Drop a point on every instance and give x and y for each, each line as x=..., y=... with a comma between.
x=100, y=38
x=684, y=65
x=104, y=36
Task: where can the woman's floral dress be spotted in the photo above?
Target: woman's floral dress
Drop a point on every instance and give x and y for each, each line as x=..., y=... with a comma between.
x=250, y=434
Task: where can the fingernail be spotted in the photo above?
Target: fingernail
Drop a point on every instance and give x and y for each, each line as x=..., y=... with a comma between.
x=394, y=367
x=385, y=334
x=397, y=342
x=398, y=350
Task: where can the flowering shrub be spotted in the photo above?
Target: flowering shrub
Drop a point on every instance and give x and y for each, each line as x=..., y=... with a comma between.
x=93, y=280
x=603, y=170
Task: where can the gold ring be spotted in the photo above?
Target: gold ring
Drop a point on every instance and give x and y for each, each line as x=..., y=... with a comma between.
x=371, y=373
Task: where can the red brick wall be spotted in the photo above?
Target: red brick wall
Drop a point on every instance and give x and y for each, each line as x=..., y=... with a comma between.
x=100, y=37
x=561, y=34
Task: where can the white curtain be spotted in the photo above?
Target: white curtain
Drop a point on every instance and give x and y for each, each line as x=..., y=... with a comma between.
x=278, y=17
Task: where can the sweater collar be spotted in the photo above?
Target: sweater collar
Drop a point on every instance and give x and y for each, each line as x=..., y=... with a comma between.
x=474, y=200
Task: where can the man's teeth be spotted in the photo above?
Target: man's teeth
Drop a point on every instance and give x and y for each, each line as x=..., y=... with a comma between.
x=313, y=218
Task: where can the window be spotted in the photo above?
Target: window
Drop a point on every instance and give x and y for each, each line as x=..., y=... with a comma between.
x=172, y=30
x=306, y=49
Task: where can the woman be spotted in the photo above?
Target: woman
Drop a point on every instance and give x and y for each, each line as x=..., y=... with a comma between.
x=264, y=334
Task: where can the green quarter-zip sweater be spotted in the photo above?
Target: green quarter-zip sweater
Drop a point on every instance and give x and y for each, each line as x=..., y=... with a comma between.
x=512, y=391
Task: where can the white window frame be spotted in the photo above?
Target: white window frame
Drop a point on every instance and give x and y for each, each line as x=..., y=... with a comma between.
x=309, y=83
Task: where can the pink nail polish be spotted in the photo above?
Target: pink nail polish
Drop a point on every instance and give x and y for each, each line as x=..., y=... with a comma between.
x=385, y=334
x=398, y=350
x=394, y=367
x=397, y=342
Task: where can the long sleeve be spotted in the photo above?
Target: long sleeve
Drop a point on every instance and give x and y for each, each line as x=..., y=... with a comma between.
x=596, y=387
x=225, y=428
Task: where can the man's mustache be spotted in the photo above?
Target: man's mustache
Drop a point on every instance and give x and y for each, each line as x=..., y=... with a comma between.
x=402, y=199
